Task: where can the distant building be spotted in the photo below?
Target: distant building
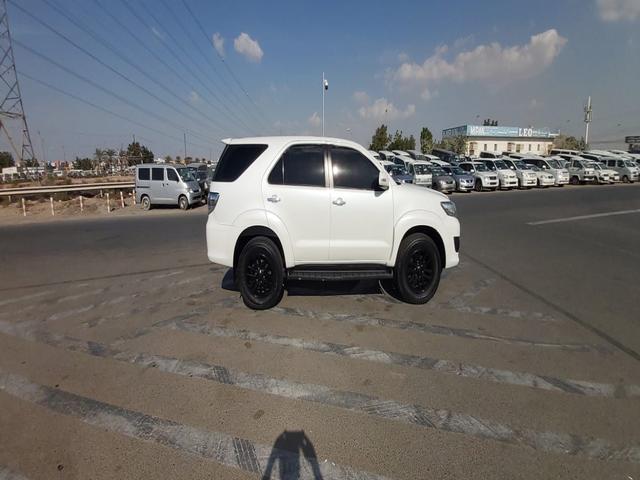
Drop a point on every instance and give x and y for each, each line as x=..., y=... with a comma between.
x=503, y=139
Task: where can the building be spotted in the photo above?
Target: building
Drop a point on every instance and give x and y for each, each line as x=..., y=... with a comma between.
x=502, y=139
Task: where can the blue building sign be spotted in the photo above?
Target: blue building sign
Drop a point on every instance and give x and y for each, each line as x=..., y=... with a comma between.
x=486, y=131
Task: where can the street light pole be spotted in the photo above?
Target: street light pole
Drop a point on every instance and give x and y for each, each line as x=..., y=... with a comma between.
x=325, y=87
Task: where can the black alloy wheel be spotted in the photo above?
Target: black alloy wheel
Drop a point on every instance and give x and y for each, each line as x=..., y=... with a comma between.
x=418, y=268
x=260, y=274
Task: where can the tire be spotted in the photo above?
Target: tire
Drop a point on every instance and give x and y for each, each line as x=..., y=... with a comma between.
x=145, y=202
x=478, y=186
x=418, y=267
x=260, y=274
x=625, y=179
x=183, y=202
x=574, y=180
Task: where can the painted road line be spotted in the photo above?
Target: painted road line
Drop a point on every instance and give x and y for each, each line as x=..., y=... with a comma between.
x=220, y=447
x=584, y=217
x=440, y=419
x=524, y=379
x=7, y=474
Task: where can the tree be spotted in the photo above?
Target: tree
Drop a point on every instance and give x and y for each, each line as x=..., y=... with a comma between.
x=457, y=144
x=137, y=153
x=380, y=139
x=6, y=160
x=82, y=164
x=426, y=140
x=168, y=159
x=569, y=142
x=400, y=142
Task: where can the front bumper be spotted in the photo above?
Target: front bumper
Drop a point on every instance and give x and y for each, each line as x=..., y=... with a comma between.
x=448, y=187
x=528, y=182
x=546, y=182
x=508, y=182
x=562, y=180
x=195, y=197
x=465, y=187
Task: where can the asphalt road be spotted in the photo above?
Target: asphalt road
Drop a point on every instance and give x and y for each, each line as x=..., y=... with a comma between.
x=122, y=357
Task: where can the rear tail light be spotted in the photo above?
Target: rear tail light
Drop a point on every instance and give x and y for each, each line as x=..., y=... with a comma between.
x=212, y=201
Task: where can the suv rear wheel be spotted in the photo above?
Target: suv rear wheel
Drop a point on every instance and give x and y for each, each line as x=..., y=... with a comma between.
x=417, y=272
x=478, y=185
x=260, y=274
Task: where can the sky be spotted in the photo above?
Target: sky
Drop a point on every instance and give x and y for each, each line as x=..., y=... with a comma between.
x=163, y=70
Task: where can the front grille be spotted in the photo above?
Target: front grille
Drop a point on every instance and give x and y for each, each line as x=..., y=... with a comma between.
x=493, y=178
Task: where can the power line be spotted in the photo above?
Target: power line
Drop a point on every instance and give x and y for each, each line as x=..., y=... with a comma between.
x=151, y=52
x=206, y=59
x=233, y=75
x=106, y=90
x=104, y=64
x=103, y=109
x=115, y=51
x=177, y=57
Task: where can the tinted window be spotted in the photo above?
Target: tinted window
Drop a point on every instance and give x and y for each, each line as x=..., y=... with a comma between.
x=172, y=175
x=157, y=173
x=235, y=160
x=301, y=165
x=351, y=169
x=143, y=174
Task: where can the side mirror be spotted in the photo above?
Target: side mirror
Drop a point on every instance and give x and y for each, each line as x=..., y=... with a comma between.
x=383, y=181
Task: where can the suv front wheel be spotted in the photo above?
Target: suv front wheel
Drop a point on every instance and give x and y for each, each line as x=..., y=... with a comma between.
x=260, y=274
x=417, y=270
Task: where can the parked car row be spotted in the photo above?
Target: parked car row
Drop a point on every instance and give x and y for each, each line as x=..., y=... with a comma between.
x=447, y=172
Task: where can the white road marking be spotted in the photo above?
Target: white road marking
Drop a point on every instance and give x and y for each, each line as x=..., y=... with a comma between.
x=584, y=217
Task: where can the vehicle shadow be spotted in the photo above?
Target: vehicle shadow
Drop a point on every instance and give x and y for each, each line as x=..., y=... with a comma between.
x=288, y=452
x=313, y=288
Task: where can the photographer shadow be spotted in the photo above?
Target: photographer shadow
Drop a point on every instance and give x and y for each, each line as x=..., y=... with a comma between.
x=289, y=450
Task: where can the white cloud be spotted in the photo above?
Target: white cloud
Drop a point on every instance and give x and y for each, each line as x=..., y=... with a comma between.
x=218, y=43
x=157, y=32
x=361, y=97
x=491, y=62
x=384, y=110
x=194, y=97
x=314, y=120
x=247, y=46
x=616, y=10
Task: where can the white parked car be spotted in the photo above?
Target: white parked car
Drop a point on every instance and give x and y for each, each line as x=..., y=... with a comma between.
x=579, y=171
x=506, y=177
x=485, y=179
x=545, y=179
x=319, y=208
x=526, y=177
x=419, y=170
x=552, y=165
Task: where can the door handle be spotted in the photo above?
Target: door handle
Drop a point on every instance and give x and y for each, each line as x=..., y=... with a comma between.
x=273, y=199
x=339, y=202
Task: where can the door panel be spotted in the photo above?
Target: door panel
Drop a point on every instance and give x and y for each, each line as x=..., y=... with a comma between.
x=361, y=215
x=158, y=182
x=295, y=191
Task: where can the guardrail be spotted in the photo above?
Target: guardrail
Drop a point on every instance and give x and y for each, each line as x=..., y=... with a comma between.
x=79, y=187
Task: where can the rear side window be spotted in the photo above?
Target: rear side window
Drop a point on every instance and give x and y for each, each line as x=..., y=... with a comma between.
x=143, y=174
x=351, y=169
x=235, y=160
x=157, y=174
x=301, y=165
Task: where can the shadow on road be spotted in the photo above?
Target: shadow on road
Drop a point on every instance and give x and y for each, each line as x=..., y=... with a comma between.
x=288, y=452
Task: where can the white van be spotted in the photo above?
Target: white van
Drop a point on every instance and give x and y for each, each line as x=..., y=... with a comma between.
x=158, y=184
x=420, y=170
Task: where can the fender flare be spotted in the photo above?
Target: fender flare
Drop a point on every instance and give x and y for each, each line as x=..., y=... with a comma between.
x=417, y=219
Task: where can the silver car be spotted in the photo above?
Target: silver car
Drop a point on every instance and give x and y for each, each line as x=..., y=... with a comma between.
x=464, y=181
x=441, y=181
x=158, y=184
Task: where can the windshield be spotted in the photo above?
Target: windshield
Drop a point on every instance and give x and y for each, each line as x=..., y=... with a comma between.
x=535, y=168
x=501, y=165
x=554, y=163
x=437, y=170
x=480, y=167
x=395, y=170
x=421, y=169
x=456, y=170
x=629, y=163
x=520, y=165
x=185, y=174
x=489, y=166
x=594, y=165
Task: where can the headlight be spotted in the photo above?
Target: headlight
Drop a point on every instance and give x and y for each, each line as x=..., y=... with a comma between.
x=212, y=201
x=449, y=208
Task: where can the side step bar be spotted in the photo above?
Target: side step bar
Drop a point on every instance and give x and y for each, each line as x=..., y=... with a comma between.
x=339, y=274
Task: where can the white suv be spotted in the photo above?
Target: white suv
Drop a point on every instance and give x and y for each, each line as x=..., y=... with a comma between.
x=317, y=208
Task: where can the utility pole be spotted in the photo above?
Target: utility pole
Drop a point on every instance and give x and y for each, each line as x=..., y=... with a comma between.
x=11, y=107
x=587, y=120
x=325, y=87
x=184, y=135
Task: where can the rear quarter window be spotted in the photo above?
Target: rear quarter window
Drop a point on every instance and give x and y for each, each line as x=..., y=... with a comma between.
x=235, y=160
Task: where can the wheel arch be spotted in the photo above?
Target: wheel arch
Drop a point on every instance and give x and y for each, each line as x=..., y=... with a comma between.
x=431, y=233
x=252, y=232
x=419, y=222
